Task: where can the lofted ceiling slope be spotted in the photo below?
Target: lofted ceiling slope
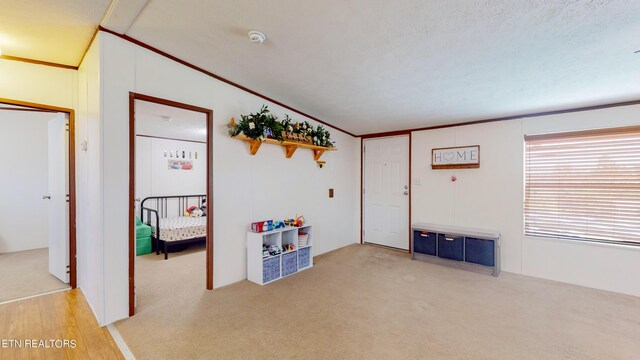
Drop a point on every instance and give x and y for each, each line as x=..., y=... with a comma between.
x=370, y=65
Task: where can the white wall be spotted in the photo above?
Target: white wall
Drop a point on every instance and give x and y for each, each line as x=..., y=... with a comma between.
x=492, y=197
x=153, y=176
x=246, y=188
x=23, y=180
x=89, y=181
x=38, y=83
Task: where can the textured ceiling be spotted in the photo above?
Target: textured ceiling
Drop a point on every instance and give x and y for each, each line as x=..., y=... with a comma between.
x=370, y=66
x=56, y=31
x=151, y=119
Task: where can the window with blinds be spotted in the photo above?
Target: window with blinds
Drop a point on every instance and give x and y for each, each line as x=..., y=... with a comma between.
x=584, y=185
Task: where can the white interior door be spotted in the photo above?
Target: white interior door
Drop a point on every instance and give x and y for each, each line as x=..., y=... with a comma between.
x=386, y=191
x=57, y=198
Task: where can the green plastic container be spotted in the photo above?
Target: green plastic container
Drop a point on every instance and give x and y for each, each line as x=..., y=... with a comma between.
x=143, y=245
x=143, y=231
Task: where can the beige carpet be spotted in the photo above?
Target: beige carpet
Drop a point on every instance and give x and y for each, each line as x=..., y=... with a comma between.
x=363, y=302
x=26, y=273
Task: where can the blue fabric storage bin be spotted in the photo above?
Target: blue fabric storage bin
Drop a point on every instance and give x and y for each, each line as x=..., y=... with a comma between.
x=424, y=242
x=480, y=251
x=303, y=257
x=289, y=263
x=271, y=269
x=451, y=249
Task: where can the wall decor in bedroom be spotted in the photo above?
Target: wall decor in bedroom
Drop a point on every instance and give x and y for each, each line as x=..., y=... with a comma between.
x=457, y=157
x=180, y=164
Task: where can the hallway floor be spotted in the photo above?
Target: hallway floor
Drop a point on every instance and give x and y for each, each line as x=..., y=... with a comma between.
x=26, y=273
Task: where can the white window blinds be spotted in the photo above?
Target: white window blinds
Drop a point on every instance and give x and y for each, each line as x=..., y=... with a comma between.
x=584, y=185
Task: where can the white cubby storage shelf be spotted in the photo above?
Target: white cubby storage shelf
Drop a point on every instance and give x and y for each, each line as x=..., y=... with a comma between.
x=265, y=269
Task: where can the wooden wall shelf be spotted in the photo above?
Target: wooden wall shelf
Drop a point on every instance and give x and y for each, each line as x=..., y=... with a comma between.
x=289, y=146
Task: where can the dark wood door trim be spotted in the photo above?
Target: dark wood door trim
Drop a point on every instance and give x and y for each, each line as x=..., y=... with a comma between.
x=73, y=277
x=210, y=208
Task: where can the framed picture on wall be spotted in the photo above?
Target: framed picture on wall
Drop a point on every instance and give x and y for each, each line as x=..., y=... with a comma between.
x=180, y=164
x=457, y=157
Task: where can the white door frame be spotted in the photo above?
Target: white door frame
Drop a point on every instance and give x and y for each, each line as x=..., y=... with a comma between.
x=362, y=175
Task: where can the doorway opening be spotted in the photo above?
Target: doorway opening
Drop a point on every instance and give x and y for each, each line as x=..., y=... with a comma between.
x=386, y=187
x=37, y=213
x=170, y=198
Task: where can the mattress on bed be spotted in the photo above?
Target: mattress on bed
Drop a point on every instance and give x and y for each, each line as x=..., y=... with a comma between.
x=182, y=228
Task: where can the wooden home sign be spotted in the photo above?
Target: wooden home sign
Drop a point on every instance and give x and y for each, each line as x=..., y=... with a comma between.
x=460, y=157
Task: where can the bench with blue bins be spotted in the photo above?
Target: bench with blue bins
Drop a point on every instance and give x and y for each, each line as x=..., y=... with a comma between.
x=263, y=269
x=461, y=247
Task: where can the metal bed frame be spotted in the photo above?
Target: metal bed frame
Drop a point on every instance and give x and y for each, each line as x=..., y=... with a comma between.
x=161, y=211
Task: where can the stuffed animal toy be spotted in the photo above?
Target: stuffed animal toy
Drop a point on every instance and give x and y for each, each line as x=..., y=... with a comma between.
x=203, y=207
x=193, y=211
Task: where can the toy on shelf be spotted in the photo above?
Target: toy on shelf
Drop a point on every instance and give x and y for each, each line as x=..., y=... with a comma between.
x=262, y=226
x=274, y=250
x=278, y=225
x=288, y=247
x=299, y=221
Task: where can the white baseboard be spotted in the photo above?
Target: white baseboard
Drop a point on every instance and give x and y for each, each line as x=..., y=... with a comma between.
x=122, y=345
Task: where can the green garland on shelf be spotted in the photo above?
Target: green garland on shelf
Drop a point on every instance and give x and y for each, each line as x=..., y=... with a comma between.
x=258, y=126
x=263, y=125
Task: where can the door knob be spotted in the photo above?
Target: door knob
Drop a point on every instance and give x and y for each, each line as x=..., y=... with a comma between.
x=406, y=193
x=46, y=197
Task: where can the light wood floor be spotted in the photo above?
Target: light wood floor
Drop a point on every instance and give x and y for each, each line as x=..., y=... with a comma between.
x=58, y=316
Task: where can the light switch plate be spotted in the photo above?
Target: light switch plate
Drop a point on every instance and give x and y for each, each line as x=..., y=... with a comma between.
x=417, y=181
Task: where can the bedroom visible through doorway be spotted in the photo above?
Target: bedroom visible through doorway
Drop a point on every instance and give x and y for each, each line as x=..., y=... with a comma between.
x=171, y=190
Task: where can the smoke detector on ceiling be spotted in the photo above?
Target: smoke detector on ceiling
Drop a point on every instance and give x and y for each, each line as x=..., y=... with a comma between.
x=257, y=37
x=166, y=118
